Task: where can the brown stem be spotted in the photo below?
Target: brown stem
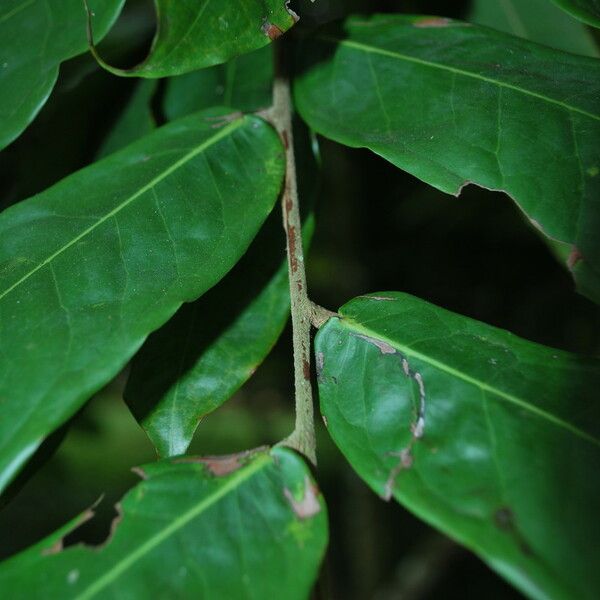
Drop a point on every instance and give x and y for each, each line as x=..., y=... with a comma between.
x=303, y=436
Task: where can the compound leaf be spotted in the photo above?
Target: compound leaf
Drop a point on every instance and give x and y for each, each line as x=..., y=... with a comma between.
x=91, y=266
x=492, y=439
x=455, y=104
x=243, y=526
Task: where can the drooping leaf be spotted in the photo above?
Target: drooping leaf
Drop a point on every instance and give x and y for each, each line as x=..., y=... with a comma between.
x=535, y=20
x=94, y=264
x=195, y=34
x=455, y=104
x=243, y=83
x=134, y=122
x=492, y=439
x=35, y=37
x=587, y=11
x=243, y=526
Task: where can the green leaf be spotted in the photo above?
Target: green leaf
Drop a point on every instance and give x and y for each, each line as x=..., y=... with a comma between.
x=35, y=37
x=195, y=34
x=94, y=264
x=455, y=104
x=134, y=122
x=587, y=11
x=243, y=526
x=535, y=20
x=486, y=436
x=244, y=83
x=193, y=364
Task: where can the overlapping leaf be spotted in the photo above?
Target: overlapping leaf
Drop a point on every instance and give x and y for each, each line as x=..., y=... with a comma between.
x=91, y=266
x=587, y=11
x=195, y=34
x=250, y=526
x=535, y=20
x=455, y=104
x=493, y=439
x=135, y=121
x=35, y=37
x=244, y=83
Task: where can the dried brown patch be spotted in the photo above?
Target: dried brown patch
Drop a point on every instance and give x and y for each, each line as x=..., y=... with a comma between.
x=139, y=472
x=271, y=31
x=220, y=466
x=574, y=257
x=384, y=347
x=432, y=22
x=379, y=298
x=309, y=505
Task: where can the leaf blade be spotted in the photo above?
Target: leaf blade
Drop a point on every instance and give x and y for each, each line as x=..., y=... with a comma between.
x=483, y=468
x=195, y=35
x=35, y=37
x=168, y=517
x=455, y=104
x=83, y=290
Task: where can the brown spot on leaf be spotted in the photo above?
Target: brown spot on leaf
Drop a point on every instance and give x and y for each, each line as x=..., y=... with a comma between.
x=504, y=519
x=319, y=364
x=271, y=30
x=309, y=505
x=139, y=472
x=405, y=462
x=426, y=22
x=574, y=257
x=220, y=466
x=379, y=298
x=384, y=347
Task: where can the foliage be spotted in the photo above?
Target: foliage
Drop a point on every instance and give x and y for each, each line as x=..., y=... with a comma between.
x=109, y=273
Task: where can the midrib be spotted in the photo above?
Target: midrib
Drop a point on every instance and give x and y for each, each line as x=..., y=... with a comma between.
x=406, y=350
x=224, y=132
x=434, y=65
x=234, y=481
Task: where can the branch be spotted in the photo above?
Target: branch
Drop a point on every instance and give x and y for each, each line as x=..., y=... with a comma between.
x=280, y=115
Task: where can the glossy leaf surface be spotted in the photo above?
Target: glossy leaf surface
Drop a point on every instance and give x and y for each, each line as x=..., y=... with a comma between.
x=486, y=436
x=243, y=83
x=225, y=527
x=195, y=34
x=587, y=11
x=535, y=20
x=35, y=37
x=94, y=264
x=521, y=118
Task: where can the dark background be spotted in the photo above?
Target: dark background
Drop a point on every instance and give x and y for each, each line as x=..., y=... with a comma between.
x=377, y=229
